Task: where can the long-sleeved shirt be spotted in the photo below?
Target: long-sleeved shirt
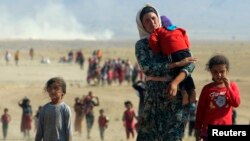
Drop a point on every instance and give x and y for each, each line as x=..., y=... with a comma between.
x=215, y=106
x=54, y=123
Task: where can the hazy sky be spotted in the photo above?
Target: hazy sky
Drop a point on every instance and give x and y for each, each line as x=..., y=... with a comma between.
x=115, y=19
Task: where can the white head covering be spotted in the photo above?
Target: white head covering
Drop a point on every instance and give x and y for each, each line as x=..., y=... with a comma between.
x=142, y=32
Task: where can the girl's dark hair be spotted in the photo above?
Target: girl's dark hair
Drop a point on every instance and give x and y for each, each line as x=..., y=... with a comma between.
x=217, y=60
x=128, y=103
x=58, y=80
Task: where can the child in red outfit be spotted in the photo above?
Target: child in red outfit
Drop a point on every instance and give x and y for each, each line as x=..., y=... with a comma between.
x=129, y=119
x=217, y=98
x=103, y=123
x=5, y=119
x=173, y=42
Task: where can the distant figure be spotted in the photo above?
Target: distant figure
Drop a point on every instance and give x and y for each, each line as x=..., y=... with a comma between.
x=80, y=59
x=62, y=59
x=55, y=116
x=7, y=57
x=129, y=119
x=99, y=54
x=36, y=117
x=31, y=53
x=128, y=71
x=89, y=103
x=234, y=116
x=17, y=57
x=94, y=53
x=45, y=60
x=78, y=115
x=103, y=123
x=70, y=56
x=26, y=117
x=5, y=119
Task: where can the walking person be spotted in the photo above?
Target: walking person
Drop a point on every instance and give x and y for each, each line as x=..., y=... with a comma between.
x=26, y=120
x=103, y=123
x=128, y=119
x=7, y=57
x=31, y=53
x=89, y=103
x=5, y=119
x=164, y=116
x=17, y=57
x=78, y=115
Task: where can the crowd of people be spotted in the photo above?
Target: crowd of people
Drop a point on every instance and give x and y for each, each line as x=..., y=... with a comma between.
x=98, y=71
x=115, y=70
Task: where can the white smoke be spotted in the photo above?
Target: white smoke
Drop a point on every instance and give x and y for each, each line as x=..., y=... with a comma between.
x=115, y=19
x=53, y=21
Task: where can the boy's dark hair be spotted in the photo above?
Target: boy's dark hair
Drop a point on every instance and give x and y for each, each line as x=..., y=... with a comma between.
x=6, y=109
x=101, y=110
x=217, y=60
x=58, y=80
x=128, y=103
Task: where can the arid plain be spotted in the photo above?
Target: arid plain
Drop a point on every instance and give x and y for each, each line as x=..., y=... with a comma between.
x=29, y=77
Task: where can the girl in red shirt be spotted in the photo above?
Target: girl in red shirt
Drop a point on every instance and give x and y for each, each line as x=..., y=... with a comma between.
x=129, y=119
x=217, y=98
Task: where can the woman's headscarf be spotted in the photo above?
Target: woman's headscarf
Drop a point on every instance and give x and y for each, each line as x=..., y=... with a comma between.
x=142, y=32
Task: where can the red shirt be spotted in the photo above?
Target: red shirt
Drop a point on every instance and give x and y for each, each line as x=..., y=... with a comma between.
x=128, y=118
x=215, y=106
x=168, y=42
x=103, y=120
x=5, y=118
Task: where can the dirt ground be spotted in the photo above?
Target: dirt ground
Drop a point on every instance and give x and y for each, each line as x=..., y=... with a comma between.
x=28, y=79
